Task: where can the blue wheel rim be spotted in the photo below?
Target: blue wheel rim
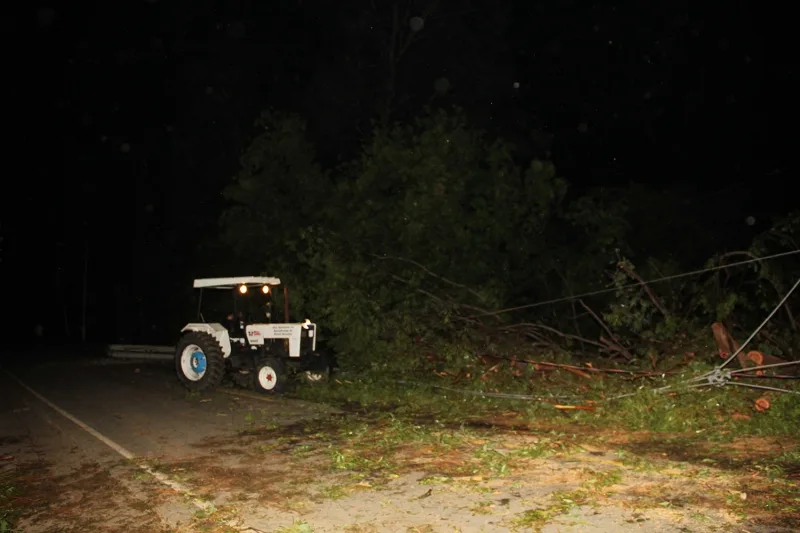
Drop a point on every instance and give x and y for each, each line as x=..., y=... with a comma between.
x=199, y=362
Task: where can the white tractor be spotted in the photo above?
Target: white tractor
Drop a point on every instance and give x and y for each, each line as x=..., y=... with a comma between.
x=247, y=345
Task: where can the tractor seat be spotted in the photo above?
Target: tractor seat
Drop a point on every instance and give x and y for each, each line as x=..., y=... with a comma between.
x=234, y=325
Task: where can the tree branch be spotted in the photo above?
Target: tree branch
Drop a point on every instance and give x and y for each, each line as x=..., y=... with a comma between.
x=534, y=327
x=417, y=289
x=782, y=346
x=750, y=255
x=432, y=274
x=632, y=273
x=616, y=345
x=571, y=303
x=441, y=301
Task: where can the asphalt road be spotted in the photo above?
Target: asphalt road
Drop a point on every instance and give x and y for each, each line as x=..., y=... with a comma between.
x=62, y=420
x=140, y=405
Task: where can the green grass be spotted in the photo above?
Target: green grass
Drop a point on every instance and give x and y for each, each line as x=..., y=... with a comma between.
x=334, y=492
x=719, y=414
x=8, y=513
x=355, y=462
x=602, y=480
x=637, y=463
x=561, y=503
x=299, y=526
x=711, y=411
x=780, y=466
x=693, y=430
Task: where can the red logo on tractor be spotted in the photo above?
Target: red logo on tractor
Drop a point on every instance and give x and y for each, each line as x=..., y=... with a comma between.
x=254, y=333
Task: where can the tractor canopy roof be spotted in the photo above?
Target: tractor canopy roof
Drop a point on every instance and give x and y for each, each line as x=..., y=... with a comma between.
x=230, y=283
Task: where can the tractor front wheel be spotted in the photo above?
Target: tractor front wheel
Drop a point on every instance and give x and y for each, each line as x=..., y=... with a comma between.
x=199, y=361
x=270, y=375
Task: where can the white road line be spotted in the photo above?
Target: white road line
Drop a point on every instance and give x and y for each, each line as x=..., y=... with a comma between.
x=160, y=476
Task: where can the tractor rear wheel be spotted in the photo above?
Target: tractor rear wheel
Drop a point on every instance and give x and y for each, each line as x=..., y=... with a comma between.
x=199, y=361
x=270, y=375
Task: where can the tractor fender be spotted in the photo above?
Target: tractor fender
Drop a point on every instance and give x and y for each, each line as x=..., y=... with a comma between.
x=216, y=330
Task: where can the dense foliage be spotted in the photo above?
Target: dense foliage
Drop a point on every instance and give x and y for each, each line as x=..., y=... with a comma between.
x=406, y=254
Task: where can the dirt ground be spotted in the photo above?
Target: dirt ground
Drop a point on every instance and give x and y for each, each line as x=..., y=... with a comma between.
x=235, y=462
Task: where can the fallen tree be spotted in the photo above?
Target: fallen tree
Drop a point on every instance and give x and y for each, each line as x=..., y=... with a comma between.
x=436, y=247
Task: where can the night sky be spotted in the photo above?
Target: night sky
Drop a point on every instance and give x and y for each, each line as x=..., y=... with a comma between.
x=129, y=116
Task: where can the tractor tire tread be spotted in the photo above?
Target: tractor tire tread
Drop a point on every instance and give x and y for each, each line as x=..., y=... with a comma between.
x=215, y=361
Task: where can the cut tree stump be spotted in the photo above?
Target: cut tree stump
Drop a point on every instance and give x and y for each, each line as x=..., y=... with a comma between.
x=728, y=345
